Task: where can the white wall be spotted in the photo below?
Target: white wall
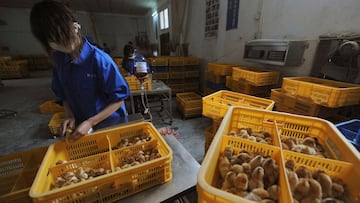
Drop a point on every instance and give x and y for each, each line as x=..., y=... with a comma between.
x=115, y=30
x=281, y=19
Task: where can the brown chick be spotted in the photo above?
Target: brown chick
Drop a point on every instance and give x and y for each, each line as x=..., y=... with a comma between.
x=331, y=200
x=289, y=142
x=233, y=132
x=243, y=133
x=243, y=157
x=301, y=189
x=292, y=178
x=310, y=199
x=241, y=181
x=267, y=201
x=337, y=190
x=315, y=189
x=325, y=182
x=237, y=168
x=258, y=134
x=290, y=164
x=285, y=146
x=271, y=172
x=256, y=180
x=224, y=165
x=303, y=172
x=228, y=180
x=309, y=141
x=256, y=161
x=228, y=151
x=261, y=192
x=246, y=168
x=274, y=192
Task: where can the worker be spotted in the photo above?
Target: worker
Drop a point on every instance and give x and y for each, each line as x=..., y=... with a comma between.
x=130, y=58
x=85, y=79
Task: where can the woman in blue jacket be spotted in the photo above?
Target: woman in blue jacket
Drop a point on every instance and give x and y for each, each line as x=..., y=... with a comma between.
x=85, y=79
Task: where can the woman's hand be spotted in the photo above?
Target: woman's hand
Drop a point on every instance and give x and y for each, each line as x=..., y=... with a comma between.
x=81, y=130
x=67, y=123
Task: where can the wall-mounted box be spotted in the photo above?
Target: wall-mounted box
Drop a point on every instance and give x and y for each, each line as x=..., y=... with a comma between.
x=275, y=52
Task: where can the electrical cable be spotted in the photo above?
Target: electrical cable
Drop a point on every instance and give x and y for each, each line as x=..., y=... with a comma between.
x=146, y=106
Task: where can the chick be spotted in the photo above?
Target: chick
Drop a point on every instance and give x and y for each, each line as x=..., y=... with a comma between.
x=261, y=192
x=228, y=151
x=315, y=189
x=310, y=199
x=224, y=165
x=258, y=135
x=271, y=172
x=252, y=138
x=267, y=201
x=247, y=168
x=253, y=197
x=309, y=141
x=243, y=133
x=290, y=143
x=337, y=190
x=228, y=180
x=241, y=182
x=325, y=182
x=301, y=189
x=331, y=200
x=290, y=164
x=233, y=132
x=256, y=161
x=303, y=172
x=274, y=192
x=292, y=178
x=256, y=180
x=284, y=146
x=243, y=157
x=237, y=168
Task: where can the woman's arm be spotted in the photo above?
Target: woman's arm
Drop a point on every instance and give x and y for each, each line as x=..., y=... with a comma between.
x=86, y=125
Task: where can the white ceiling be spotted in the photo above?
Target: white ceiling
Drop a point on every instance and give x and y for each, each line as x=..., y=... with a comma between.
x=126, y=7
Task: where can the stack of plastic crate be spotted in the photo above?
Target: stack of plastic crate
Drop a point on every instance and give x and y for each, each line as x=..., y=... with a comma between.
x=192, y=73
x=189, y=104
x=12, y=68
x=315, y=96
x=252, y=81
x=160, y=68
x=216, y=76
x=176, y=74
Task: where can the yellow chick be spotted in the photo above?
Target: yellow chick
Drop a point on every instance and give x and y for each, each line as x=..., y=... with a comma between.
x=224, y=165
x=256, y=180
x=241, y=182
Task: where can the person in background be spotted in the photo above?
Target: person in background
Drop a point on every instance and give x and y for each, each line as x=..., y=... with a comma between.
x=85, y=79
x=106, y=49
x=130, y=58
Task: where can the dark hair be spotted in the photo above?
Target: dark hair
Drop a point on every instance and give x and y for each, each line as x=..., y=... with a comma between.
x=128, y=49
x=52, y=21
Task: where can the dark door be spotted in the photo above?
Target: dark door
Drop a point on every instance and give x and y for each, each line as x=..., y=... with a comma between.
x=165, y=44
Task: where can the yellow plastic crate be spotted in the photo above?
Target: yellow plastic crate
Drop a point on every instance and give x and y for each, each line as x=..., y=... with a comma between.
x=192, y=74
x=286, y=125
x=191, y=87
x=333, y=168
x=191, y=61
x=286, y=103
x=55, y=122
x=209, y=135
x=189, y=100
x=216, y=104
x=208, y=175
x=213, y=77
x=159, y=61
x=134, y=83
x=160, y=75
x=50, y=107
x=322, y=91
x=97, y=150
x=256, y=76
x=189, y=112
x=17, y=172
x=176, y=75
x=118, y=61
x=245, y=87
x=220, y=68
x=176, y=61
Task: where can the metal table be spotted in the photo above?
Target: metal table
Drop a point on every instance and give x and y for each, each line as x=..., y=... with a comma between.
x=158, y=88
x=184, y=171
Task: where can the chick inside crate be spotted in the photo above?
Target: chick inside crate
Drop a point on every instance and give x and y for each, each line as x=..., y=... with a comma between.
x=308, y=135
x=238, y=170
x=105, y=166
x=313, y=179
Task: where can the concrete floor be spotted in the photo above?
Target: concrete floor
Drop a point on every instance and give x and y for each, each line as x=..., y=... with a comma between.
x=29, y=128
